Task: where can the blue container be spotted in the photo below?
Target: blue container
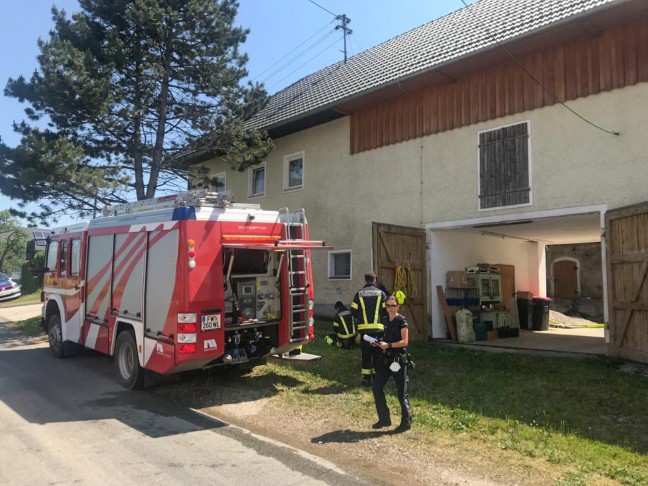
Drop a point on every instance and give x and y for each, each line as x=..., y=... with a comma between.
x=480, y=331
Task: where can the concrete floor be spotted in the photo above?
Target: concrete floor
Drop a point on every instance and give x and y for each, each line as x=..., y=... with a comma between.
x=559, y=340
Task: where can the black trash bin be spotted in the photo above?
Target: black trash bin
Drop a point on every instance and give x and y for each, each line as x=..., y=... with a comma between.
x=541, y=313
x=525, y=313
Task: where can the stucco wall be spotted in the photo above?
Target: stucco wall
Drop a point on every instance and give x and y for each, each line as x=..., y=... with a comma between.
x=435, y=179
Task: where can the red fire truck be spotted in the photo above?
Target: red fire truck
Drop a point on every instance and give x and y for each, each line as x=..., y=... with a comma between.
x=180, y=282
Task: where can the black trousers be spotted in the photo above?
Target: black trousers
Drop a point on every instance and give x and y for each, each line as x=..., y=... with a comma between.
x=367, y=353
x=401, y=378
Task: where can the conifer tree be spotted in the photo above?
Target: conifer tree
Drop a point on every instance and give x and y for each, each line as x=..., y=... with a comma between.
x=127, y=96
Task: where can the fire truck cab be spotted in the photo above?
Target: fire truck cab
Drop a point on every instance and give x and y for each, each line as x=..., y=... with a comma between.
x=180, y=282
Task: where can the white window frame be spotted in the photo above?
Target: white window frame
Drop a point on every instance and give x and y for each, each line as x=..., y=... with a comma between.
x=286, y=171
x=331, y=266
x=251, y=172
x=215, y=176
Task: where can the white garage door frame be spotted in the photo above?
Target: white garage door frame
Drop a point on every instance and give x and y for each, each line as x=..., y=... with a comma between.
x=436, y=277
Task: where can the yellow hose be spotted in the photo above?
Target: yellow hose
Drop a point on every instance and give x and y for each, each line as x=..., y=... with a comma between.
x=404, y=280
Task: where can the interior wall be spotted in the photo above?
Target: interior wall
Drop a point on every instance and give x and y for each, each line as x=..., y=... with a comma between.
x=457, y=249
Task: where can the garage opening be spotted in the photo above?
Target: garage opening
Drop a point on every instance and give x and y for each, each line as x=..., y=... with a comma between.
x=502, y=270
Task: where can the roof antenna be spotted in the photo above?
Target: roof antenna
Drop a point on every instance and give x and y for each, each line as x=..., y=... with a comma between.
x=344, y=21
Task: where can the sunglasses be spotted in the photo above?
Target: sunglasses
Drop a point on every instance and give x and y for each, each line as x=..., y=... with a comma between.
x=391, y=305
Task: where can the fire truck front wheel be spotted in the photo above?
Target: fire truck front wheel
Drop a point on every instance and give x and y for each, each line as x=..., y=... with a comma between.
x=129, y=372
x=55, y=335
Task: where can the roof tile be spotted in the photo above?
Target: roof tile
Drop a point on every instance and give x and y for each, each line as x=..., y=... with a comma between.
x=478, y=26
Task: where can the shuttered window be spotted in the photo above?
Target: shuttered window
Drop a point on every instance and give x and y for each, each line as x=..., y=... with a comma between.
x=504, y=167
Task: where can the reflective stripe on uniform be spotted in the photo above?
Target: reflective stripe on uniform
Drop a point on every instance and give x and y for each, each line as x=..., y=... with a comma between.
x=346, y=328
x=364, y=310
x=377, y=309
x=371, y=327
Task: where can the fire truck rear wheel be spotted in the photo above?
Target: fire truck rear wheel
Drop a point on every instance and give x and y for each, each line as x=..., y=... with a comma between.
x=55, y=335
x=129, y=372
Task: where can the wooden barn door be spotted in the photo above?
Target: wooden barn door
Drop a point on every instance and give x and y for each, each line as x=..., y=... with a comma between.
x=401, y=246
x=626, y=234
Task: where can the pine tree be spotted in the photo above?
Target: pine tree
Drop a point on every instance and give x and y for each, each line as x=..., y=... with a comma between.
x=128, y=95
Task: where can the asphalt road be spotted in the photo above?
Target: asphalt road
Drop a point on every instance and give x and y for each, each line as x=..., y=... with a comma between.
x=68, y=422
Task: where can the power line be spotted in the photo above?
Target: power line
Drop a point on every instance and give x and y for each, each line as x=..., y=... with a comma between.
x=535, y=80
x=300, y=54
x=276, y=67
x=304, y=64
x=318, y=5
x=290, y=52
x=344, y=22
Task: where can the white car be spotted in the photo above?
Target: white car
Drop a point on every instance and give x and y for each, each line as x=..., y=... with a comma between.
x=8, y=288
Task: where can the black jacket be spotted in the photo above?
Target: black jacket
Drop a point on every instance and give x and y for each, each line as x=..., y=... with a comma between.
x=368, y=307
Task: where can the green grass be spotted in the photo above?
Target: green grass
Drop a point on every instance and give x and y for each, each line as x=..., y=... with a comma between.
x=32, y=298
x=574, y=421
x=29, y=327
x=583, y=418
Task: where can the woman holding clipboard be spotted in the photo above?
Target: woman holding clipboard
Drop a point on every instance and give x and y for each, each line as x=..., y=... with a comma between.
x=391, y=360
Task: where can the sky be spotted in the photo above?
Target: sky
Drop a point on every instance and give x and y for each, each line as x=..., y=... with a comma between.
x=288, y=40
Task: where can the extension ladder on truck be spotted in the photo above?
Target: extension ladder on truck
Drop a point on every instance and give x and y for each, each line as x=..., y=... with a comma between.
x=298, y=277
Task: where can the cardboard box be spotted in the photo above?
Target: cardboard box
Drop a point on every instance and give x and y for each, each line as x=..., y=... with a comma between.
x=524, y=295
x=458, y=280
x=490, y=335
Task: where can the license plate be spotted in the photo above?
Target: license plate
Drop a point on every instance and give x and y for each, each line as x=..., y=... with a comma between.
x=210, y=322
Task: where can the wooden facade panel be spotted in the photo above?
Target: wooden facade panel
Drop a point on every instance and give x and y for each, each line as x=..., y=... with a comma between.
x=630, y=57
x=582, y=68
x=508, y=90
x=464, y=94
x=551, y=79
x=570, y=71
x=434, y=103
x=457, y=106
x=441, y=109
x=500, y=91
x=482, y=99
x=538, y=91
x=641, y=41
x=593, y=69
x=575, y=69
x=618, y=71
x=605, y=61
x=449, y=106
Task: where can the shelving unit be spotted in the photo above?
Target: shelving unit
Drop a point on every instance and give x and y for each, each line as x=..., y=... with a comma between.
x=488, y=287
x=481, y=293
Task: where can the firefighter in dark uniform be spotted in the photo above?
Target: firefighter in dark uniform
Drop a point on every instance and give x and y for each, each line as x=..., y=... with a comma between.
x=368, y=307
x=392, y=360
x=344, y=328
